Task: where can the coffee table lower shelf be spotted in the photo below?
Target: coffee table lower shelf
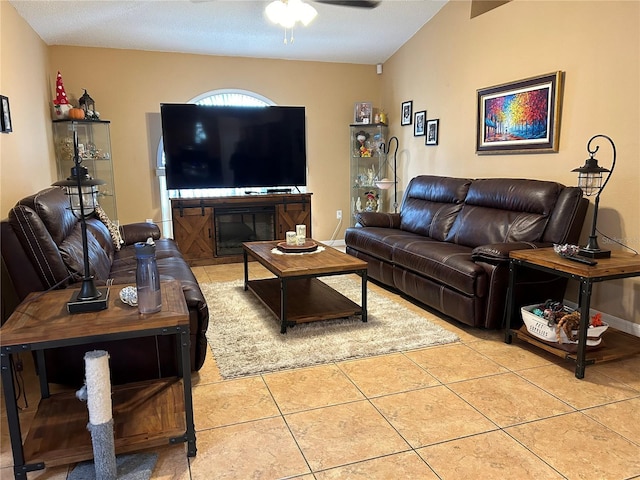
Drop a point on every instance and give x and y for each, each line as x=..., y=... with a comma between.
x=308, y=300
x=615, y=344
x=146, y=414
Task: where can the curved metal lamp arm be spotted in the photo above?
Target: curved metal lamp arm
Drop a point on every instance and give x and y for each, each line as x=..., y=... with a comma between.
x=593, y=152
x=592, y=249
x=386, y=148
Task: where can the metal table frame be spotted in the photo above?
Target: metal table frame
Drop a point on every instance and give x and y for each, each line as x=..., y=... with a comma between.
x=584, y=301
x=284, y=323
x=184, y=371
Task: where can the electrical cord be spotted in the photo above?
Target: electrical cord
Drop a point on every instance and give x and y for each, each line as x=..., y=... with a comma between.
x=335, y=232
x=18, y=379
x=616, y=241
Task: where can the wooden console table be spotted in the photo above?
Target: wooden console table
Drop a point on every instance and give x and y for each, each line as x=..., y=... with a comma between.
x=145, y=414
x=620, y=265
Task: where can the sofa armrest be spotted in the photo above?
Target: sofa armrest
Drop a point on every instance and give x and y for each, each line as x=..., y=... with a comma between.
x=139, y=232
x=378, y=219
x=499, y=252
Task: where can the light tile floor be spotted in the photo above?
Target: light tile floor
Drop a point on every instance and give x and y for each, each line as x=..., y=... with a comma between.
x=478, y=409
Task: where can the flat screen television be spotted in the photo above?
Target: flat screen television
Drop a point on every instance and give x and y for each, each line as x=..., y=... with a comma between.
x=233, y=147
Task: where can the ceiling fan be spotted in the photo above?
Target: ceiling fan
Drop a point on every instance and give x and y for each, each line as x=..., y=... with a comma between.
x=352, y=3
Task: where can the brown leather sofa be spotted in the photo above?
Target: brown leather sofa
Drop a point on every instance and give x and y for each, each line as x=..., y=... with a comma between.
x=42, y=249
x=449, y=246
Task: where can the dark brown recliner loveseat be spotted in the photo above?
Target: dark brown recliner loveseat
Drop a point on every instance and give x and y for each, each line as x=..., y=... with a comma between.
x=449, y=246
x=42, y=246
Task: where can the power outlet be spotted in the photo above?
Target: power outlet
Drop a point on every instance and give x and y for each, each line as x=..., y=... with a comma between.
x=339, y=214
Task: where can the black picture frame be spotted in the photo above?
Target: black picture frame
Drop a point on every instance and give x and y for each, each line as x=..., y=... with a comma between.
x=419, y=123
x=432, y=131
x=406, y=113
x=5, y=115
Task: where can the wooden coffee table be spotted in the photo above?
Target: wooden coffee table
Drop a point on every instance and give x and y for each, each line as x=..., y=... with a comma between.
x=296, y=295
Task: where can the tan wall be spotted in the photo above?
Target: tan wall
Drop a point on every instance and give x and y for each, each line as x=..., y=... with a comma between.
x=128, y=87
x=597, y=44
x=26, y=154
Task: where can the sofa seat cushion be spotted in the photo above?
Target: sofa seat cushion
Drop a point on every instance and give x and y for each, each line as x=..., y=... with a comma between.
x=378, y=241
x=168, y=257
x=450, y=264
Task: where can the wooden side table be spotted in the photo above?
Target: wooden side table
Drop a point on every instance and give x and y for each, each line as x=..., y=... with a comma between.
x=620, y=265
x=146, y=414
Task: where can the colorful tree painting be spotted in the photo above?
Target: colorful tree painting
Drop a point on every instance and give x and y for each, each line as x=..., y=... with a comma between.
x=522, y=115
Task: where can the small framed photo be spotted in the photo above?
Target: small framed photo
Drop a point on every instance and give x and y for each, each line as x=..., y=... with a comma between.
x=418, y=125
x=406, y=113
x=363, y=112
x=5, y=115
x=432, y=128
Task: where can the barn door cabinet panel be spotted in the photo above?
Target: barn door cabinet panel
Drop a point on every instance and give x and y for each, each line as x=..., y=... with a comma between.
x=193, y=231
x=292, y=214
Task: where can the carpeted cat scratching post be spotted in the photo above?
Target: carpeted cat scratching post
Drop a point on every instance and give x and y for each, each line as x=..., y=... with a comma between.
x=100, y=414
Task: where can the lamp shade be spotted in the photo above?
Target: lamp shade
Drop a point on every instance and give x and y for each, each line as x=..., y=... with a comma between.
x=590, y=176
x=81, y=189
x=385, y=183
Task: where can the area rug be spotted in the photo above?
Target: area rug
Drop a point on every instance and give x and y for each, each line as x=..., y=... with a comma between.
x=245, y=337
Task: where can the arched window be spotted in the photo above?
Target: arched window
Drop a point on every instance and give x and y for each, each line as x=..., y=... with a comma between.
x=222, y=97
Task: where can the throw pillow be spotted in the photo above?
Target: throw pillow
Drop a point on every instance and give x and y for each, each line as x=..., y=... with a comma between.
x=112, y=227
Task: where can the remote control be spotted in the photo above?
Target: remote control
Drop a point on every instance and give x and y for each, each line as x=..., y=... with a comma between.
x=586, y=261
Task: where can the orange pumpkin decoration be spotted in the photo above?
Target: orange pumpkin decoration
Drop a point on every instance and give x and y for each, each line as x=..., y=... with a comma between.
x=76, y=114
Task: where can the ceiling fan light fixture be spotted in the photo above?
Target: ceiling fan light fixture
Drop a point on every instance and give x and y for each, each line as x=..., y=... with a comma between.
x=287, y=12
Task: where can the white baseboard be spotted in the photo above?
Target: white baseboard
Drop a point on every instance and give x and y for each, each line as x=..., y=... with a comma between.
x=337, y=243
x=616, y=322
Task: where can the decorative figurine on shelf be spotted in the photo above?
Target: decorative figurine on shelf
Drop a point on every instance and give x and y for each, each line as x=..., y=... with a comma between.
x=358, y=205
x=61, y=105
x=372, y=202
x=362, y=138
x=370, y=176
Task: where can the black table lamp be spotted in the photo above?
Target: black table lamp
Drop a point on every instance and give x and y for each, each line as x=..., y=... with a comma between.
x=590, y=180
x=82, y=192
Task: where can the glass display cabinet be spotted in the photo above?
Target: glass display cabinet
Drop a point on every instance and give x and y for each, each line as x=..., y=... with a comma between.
x=94, y=146
x=368, y=163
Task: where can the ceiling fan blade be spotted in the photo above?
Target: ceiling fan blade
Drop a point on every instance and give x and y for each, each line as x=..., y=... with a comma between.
x=352, y=3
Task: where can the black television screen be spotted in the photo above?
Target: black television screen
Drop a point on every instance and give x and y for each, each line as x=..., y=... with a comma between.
x=227, y=147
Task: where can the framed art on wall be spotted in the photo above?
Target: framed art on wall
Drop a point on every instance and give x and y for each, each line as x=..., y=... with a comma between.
x=406, y=113
x=520, y=117
x=418, y=125
x=5, y=115
x=432, y=128
x=362, y=113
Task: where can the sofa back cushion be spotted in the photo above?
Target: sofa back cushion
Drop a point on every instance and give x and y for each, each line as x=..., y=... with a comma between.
x=504, y=210
x=431, y=205
x=52, y=235
x=52, y=206
x=72, y=255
